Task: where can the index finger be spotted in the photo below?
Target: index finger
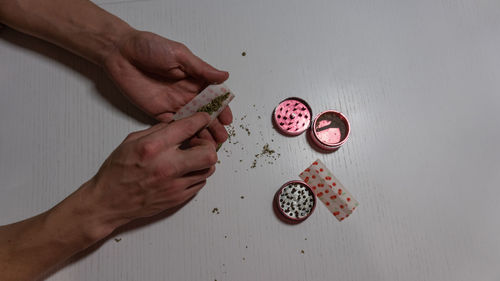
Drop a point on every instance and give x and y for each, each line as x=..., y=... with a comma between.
x=179, y=131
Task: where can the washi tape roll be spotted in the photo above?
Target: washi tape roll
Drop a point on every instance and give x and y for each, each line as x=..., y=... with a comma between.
x=329, y=190
x=212, y=100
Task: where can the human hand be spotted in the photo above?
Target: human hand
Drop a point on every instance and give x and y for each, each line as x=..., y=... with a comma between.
x=160, y=76
x=149, y=173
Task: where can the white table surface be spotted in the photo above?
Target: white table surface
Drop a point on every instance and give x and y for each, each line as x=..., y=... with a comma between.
x=419, y=80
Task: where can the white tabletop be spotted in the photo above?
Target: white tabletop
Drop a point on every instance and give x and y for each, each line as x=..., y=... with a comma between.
x=419, y=81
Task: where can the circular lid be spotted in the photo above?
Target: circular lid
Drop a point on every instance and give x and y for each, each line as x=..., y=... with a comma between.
x=331, y=128
x=295, y=201
x=292, y=116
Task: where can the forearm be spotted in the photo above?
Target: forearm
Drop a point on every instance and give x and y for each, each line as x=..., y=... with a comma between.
x=31, y=247
x=77, y=25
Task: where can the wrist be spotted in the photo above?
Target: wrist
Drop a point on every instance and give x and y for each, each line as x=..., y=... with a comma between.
x=77, y=220
x=110, y=41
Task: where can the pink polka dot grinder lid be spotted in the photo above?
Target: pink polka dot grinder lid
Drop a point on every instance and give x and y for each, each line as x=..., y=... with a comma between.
x=292, y=116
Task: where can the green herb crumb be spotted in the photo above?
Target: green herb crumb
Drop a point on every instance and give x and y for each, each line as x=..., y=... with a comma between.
x=214, y=105
x=246, y=129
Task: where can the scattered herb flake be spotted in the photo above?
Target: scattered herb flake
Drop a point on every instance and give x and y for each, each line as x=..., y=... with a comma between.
x=245, y=128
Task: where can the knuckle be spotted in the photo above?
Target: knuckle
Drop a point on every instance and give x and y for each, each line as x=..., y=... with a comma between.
x=211, y=158
x=131, y=136
x=179, y=50
x=148, y=149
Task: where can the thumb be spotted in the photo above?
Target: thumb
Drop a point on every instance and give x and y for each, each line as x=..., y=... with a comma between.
x=197, y=68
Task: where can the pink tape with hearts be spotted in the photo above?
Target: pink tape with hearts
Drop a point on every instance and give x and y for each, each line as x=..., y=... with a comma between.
x=329, y=190
x=206, y=96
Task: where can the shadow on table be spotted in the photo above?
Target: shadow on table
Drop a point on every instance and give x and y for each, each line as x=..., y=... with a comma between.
x=103, y=85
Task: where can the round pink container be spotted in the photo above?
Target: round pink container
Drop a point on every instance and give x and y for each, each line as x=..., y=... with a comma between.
x=292, y=116
x=330, y=129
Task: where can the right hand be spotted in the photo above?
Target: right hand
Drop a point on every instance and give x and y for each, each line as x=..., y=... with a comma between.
x=149, y=173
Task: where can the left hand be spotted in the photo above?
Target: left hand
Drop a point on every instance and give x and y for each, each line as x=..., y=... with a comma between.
x=160, y=76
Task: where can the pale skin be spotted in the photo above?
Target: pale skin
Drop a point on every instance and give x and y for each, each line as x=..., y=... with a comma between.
x=148, y=173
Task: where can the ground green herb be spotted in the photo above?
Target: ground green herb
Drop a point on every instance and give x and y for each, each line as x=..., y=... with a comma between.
x=268, y=154
x=245, y=128
x=118, y=240
x=215, y=211
x=214, y=105
x=244, y=54
x=231, y=131
x=266, y=150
